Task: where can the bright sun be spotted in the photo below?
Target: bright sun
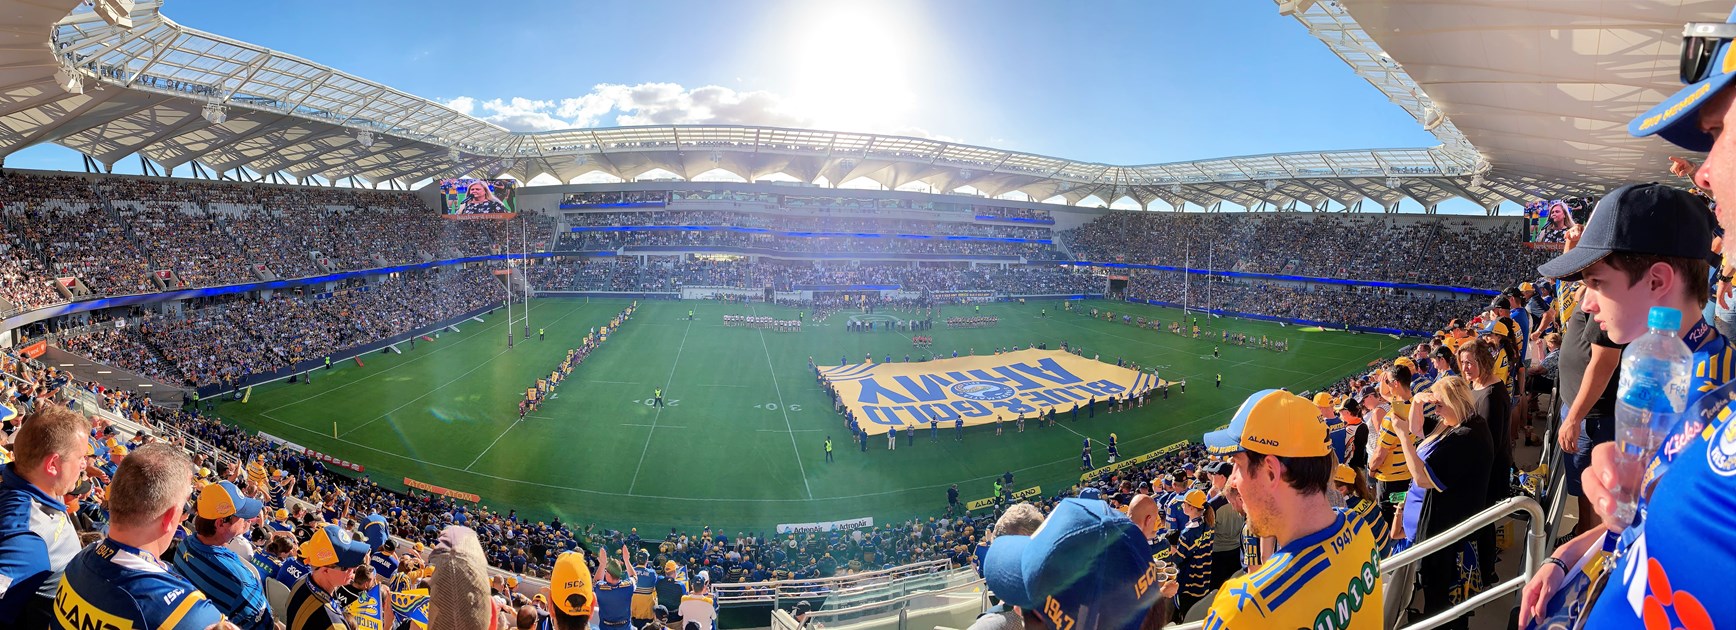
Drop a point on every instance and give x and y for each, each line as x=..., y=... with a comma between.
x=851, y=65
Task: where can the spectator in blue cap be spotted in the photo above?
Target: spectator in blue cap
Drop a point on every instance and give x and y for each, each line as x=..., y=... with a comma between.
x=1086, y=568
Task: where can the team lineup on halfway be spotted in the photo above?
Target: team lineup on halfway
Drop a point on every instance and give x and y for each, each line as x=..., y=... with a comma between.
x=681, y=419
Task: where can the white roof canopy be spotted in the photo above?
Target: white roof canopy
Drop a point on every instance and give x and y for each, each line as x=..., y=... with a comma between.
x=1523, y=113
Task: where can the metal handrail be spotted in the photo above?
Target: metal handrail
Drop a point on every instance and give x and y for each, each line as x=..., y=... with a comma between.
x=977, y=585
x=772, y=590
x=1534, y=555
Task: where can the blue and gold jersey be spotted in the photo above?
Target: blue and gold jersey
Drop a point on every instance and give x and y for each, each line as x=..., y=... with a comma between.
x=1194, y=555
x=1678, y=576
x=1369, y=513
x=1328, y=580
x=111, y=585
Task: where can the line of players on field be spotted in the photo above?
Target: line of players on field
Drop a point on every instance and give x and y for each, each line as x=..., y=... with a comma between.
x=770, y=323
x=534, y=396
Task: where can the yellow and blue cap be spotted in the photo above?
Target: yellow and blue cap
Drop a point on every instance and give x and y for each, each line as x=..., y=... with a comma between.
x=1087, y=566
x=1677, y=118
x=223, y=500
x=1273, y=422
x=331, y=546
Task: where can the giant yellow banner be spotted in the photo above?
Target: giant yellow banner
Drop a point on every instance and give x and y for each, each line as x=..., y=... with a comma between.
x=887, y=396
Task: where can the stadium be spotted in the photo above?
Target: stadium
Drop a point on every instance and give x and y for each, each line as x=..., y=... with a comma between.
x=771, y=375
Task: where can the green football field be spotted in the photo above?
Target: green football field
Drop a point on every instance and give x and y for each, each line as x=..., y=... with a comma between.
x=739, y=443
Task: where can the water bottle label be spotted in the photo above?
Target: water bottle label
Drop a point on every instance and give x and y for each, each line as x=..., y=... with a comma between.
x=1646, y=394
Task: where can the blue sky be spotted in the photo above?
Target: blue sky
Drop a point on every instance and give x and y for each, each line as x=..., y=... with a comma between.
x=1122, y=82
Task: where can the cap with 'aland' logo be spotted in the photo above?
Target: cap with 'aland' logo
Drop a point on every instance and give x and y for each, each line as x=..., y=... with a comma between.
x=1273, y=422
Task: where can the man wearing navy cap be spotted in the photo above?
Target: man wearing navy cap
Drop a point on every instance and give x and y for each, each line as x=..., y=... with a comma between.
x=221, y=514
x=1086, y=568
x=1324, y=572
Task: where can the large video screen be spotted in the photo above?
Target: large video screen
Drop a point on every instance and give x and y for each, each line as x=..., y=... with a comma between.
x=468, y=198
x=1547, y=221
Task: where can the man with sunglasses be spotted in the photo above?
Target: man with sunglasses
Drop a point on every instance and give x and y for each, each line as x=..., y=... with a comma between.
x=1676, y=577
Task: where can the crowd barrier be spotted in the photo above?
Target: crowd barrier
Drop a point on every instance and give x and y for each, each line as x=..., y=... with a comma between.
x=1130, y=462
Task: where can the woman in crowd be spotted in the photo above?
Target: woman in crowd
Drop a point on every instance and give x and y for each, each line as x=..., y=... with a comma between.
x=1450, y=474
x=1359, y=499
x=1194, y=550
x=1445, y=363
x=1491, y=402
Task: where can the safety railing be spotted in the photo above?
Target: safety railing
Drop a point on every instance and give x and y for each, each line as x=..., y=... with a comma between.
x=969, y=596
x=1535, y=552
x=897, y=579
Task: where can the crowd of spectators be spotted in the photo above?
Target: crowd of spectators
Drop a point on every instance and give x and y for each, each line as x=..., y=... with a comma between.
x=668, y=274
x=1432, y=251
x=208, y=234
x=813, y=244
x=1336, y=305
x=787, y=222
x=228, y=341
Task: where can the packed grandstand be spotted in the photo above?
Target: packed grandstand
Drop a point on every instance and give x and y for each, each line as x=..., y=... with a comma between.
x=1431, y=376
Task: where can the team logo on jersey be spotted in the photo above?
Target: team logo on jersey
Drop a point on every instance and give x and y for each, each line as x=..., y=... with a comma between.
x=982, y=390
x=1721, y=451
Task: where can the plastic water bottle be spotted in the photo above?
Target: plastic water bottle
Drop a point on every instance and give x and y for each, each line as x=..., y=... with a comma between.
x=1654, y=391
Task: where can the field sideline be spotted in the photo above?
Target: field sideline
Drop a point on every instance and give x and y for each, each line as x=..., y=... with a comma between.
x=739, y=444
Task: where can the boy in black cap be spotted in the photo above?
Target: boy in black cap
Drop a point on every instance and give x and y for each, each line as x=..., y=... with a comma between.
x=1646, y=246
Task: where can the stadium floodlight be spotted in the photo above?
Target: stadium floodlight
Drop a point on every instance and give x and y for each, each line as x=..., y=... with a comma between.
x=1432, y=117
x=1271, y=184
x=117, y=13
x=365, y=138
x=507, y=164
x=1175, y=189
x=214, y=113
x=1288, y=8
x=69, y=79
x=581, y=159
x=1477, y=180
x=966, y=174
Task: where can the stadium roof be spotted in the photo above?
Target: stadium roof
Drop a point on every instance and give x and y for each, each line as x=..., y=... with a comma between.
x=111, y=82
x=1544, y=89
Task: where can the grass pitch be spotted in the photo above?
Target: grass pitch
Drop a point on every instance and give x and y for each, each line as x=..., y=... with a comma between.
x=738, y=445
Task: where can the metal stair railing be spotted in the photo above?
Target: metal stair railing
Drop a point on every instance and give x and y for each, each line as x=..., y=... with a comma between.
x=1535, y=552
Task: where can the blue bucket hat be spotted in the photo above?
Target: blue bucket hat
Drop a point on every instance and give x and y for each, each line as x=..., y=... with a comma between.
x=1088, y=567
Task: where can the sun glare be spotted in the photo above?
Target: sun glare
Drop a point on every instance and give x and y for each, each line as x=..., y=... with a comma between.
x=851, y=66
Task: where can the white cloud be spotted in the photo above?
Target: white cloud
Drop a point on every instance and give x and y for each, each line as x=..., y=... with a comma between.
x=611, y=104
x=643, y=104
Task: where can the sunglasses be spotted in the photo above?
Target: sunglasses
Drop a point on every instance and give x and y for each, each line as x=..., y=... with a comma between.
x=1700, y=41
